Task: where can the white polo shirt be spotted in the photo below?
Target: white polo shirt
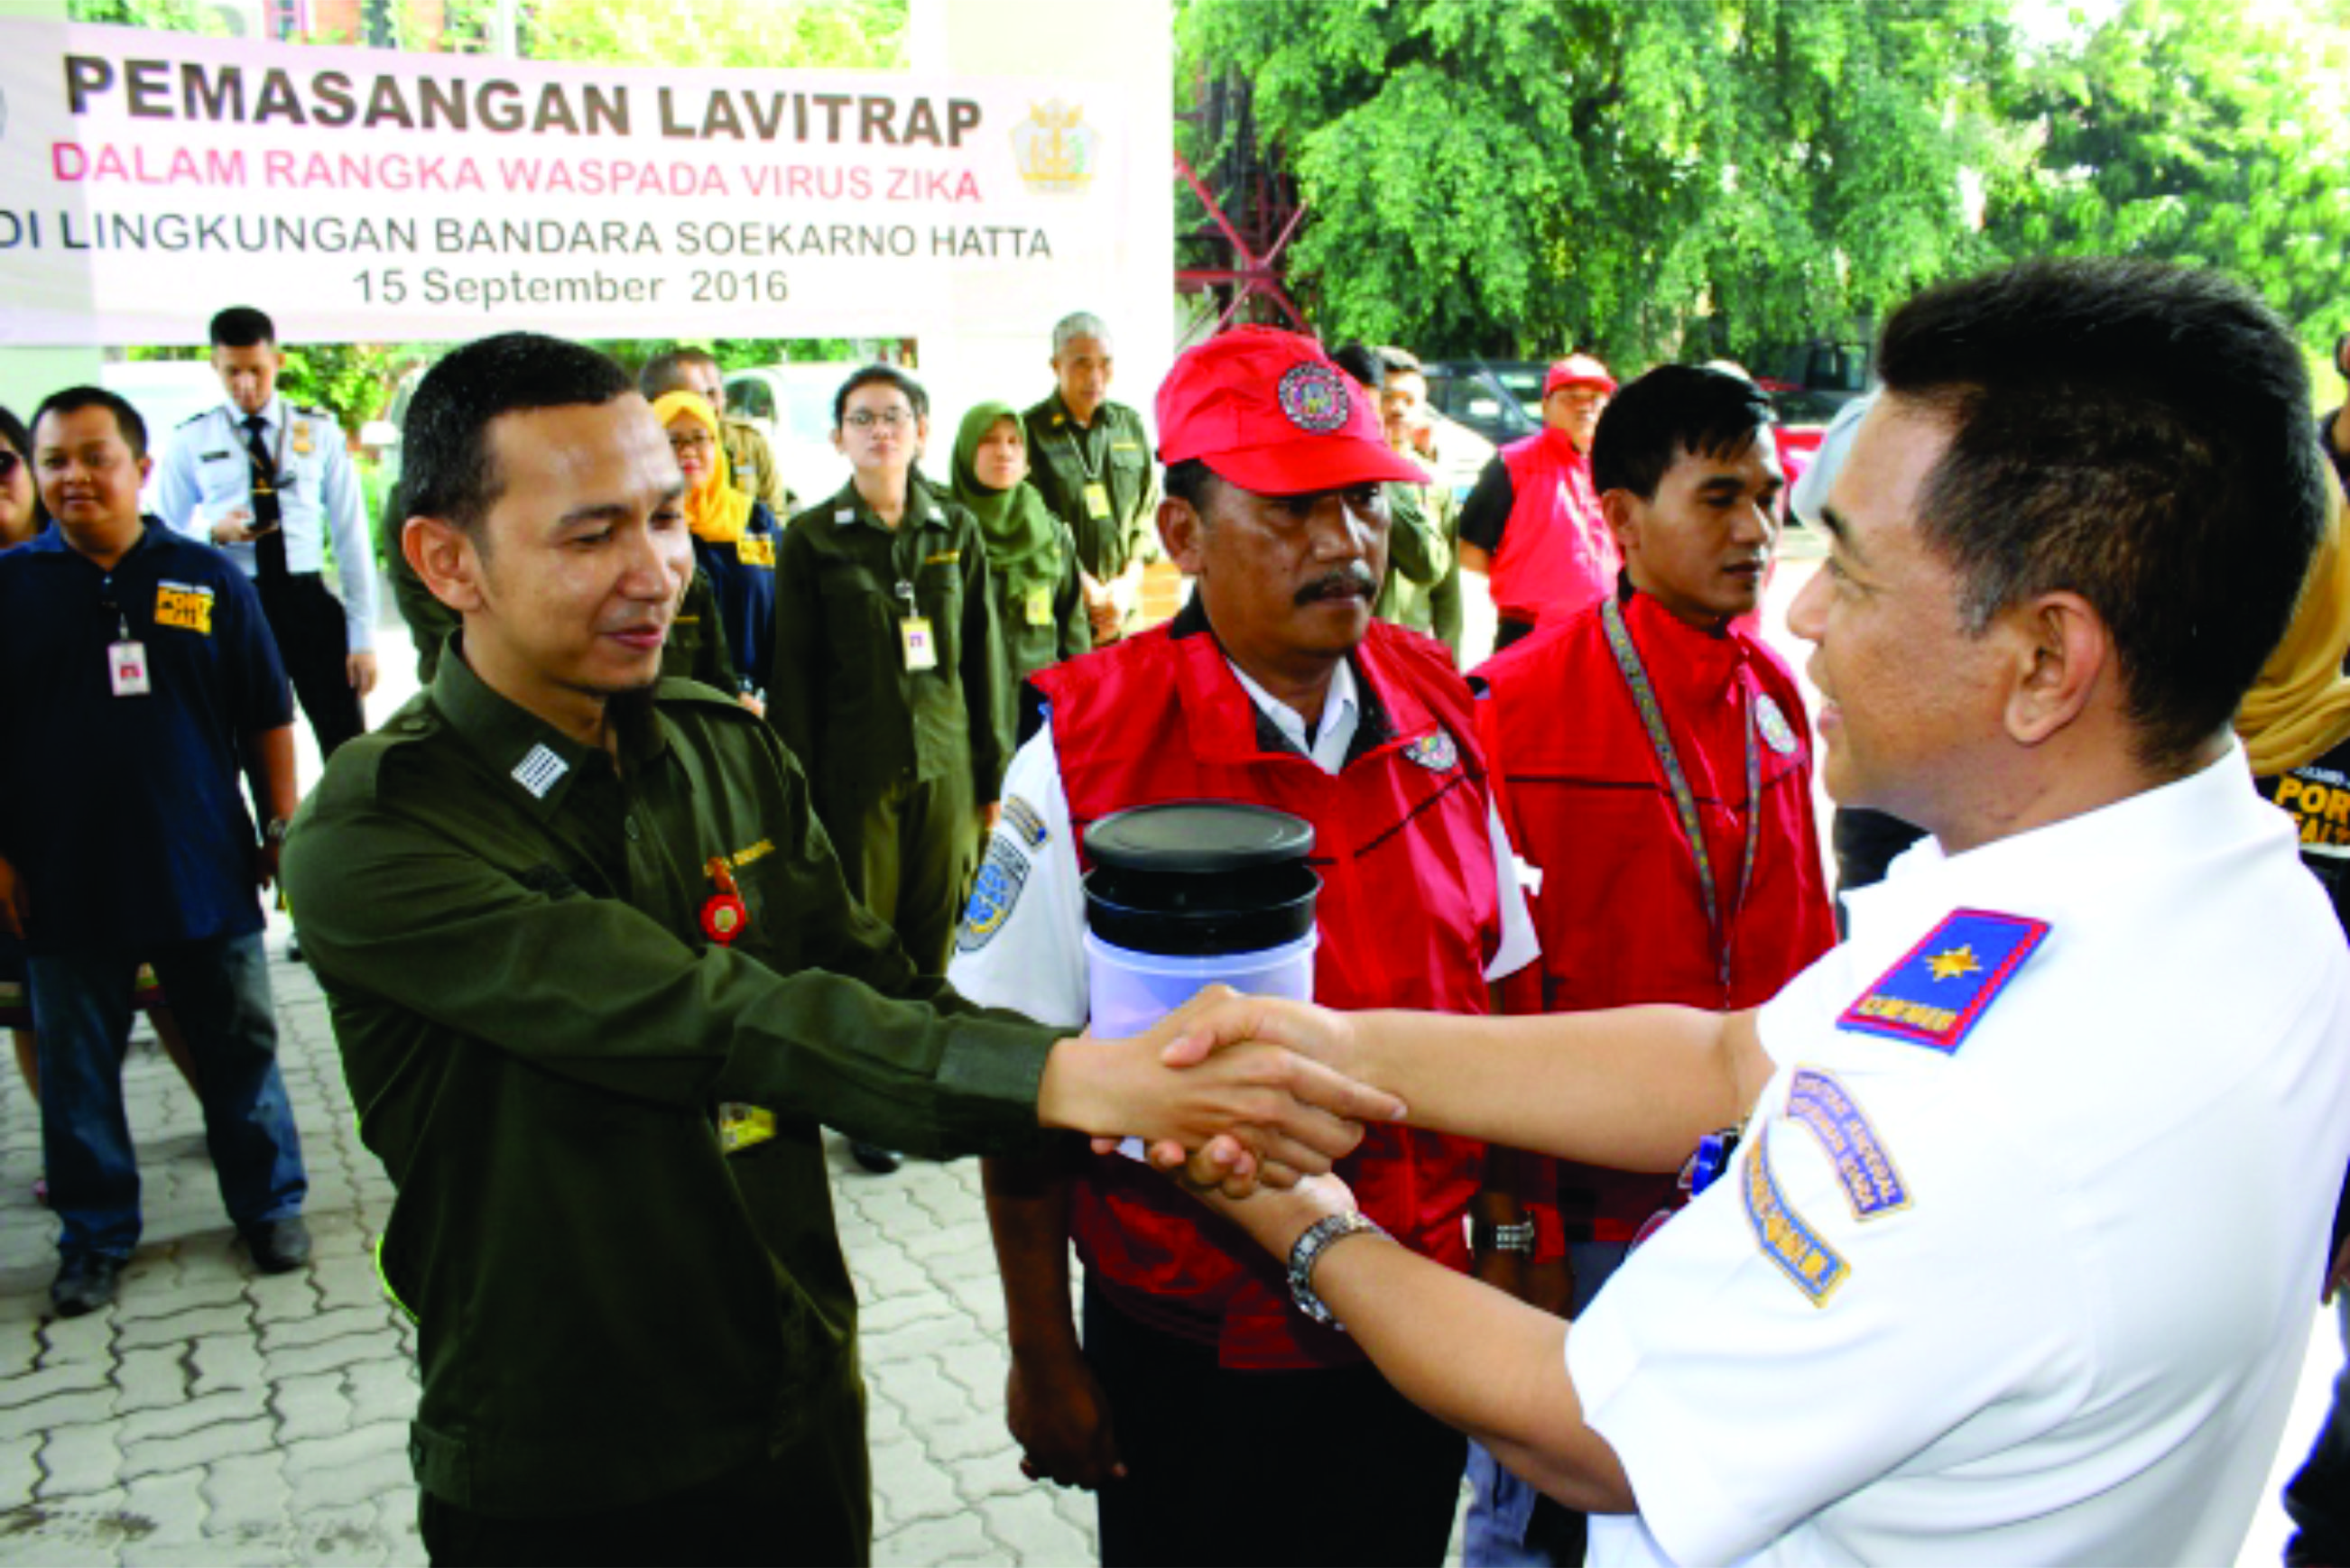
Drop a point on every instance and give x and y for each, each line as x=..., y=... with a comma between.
x=2041, y=1297
x=1033, y=960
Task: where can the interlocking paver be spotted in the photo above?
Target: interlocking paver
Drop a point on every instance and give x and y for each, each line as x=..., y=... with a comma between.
x=193, y=1450
x=228, y=1405
x=226, y=1361
x=178, y=1328
x=75, y=1462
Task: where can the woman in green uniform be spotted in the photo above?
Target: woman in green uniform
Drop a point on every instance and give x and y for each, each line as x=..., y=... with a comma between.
x=1032, y=558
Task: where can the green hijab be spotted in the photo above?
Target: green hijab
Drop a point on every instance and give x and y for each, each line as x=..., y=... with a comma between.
x=1023, y=536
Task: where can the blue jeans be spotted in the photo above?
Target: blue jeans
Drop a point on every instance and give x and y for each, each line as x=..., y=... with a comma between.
x=1501, y=1531
x=219, y=991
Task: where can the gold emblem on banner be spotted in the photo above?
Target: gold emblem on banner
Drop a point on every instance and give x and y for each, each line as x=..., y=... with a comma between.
x=1054, y=147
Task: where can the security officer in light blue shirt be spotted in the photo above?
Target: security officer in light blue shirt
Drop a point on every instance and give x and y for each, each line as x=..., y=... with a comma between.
x=267, y=482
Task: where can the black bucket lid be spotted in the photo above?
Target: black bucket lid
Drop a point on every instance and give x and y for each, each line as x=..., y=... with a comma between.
x=1196, y=878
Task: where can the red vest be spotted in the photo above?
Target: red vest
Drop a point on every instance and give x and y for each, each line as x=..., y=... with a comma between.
x=1407, y=917
x=1557, y=553
x=1620, y=915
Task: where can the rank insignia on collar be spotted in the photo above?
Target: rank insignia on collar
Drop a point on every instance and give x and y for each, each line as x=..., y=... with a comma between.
x=1435, y=752
x=538, y=770
x=1940, y=989
x=1777, y=733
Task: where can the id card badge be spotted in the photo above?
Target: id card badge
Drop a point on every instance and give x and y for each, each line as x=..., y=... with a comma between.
x=1037, y=605
x=1097, y=500
x=921, y=645
x=126, y=669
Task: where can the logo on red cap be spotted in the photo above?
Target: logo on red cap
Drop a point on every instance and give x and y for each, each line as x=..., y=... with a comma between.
x=1314, y=396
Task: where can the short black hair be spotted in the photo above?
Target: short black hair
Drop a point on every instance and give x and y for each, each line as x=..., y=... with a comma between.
x=883, y=376
x=1363, y=362
x=445, y=469
x=2134, y=433
x=665, y=372
x=1673, y=409
x=12, y=432
x=241, y=327
x=1192, y=482
x=73, y=399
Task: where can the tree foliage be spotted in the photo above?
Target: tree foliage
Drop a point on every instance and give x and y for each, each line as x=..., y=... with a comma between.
x=2188, y=131
x=1522, y=175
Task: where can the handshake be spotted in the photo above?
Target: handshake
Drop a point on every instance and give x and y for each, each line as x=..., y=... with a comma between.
x=1227, y=1092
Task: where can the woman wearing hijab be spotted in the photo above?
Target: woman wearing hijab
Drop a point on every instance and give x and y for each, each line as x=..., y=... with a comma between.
x=733, y=535
x=1031, y=557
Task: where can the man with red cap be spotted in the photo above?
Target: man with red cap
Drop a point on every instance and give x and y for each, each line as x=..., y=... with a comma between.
x=1533, y=524
x=1650, y=758
x=1274, y=686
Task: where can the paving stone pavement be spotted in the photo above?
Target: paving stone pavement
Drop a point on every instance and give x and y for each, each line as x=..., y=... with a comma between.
x=218, y=1416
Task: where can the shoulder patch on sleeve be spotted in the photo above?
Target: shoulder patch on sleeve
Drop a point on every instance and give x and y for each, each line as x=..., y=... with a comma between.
x=1942, y=987
x=1871, y=1183
x=1817, y=1269
x=993, y=894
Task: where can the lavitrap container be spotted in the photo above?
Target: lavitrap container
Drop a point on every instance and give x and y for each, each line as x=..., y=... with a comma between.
x=1189, y=893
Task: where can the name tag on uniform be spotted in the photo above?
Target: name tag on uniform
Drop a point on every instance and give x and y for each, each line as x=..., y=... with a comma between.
x=1037, y=605
x=126, y=669
x=921, y=644
x=742, y=1126
x=301, y=438
x=755, y=550
x=1097, y=500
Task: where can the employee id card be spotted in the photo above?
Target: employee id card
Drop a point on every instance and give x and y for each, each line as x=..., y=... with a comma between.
x=1037, y=605
x=126, y=667
x=921, y=643
x=1097, y=499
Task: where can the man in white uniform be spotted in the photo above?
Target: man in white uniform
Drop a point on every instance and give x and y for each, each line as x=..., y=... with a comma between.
x=2018, y=1257
x=268, y=483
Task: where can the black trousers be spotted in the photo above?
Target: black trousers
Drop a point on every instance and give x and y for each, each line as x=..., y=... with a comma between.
x=1293, y=1468
x=811, y=1505
x=314, y=641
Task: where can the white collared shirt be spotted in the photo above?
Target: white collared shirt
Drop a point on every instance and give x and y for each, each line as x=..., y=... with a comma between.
x=1034, y=961
x=206, y=475
x=2038, y=1298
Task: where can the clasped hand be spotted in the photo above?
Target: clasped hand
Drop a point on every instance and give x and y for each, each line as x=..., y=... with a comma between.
x=1229, y=1091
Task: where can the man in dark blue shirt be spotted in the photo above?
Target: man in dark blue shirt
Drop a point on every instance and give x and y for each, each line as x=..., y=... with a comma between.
x=142, y=683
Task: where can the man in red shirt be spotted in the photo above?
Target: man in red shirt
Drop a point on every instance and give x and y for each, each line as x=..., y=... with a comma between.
x=1533, y=524
x=1652, y=760
x=1274, y=686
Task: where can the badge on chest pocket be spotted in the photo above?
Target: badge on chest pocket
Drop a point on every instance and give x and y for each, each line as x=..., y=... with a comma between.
x=126, y=669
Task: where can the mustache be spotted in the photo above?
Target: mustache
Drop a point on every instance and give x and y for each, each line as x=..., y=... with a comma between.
x=1345, y=582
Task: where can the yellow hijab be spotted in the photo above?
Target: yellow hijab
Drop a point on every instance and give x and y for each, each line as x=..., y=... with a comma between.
x=714, y=509
x=2299, y=709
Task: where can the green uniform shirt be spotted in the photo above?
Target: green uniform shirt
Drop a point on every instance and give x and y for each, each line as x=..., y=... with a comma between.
x=841, y=694
x=616, y=1300
x=1114, y=452
x=1032, y=642
x=1423, y=587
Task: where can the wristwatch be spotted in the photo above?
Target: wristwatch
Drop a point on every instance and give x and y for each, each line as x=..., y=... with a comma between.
x=1308, y=1251
x=1485, y=1236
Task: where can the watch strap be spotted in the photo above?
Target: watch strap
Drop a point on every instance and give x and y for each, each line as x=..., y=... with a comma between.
x=1308, y=1251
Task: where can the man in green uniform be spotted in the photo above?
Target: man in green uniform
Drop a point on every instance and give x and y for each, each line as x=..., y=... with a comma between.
x=1423, y=587
x=1090, y=458
x=595, y=975
x=696, y=648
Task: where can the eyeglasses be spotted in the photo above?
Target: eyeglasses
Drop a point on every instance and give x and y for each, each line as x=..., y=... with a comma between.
x=866, y=419
x=694, y=441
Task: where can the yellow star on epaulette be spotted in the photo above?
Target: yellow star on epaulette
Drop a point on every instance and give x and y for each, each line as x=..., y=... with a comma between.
x=1954, y=964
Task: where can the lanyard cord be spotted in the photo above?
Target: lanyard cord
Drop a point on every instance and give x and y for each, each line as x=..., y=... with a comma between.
x=1660, y=740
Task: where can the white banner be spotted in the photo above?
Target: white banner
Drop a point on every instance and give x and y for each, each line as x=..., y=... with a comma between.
x=147, y=179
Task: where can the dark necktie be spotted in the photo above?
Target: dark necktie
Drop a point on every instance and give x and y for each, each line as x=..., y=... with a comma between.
x=269, y=543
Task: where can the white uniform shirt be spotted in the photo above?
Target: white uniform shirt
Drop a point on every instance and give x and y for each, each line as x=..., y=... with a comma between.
x=1035, y=961
x=2048, y=1304
x=207, y=475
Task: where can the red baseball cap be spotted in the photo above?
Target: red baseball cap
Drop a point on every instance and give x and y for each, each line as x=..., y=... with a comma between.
x=1269, y=412
x=1578, y=370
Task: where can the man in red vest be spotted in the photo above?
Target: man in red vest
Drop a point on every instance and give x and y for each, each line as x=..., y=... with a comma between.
x=1274, y=686
x=1533, y=523
x=1652, y=760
